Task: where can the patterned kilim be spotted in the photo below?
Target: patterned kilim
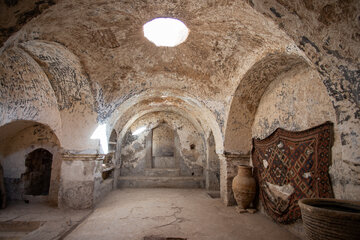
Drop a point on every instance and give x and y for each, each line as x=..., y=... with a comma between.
x=290, y=166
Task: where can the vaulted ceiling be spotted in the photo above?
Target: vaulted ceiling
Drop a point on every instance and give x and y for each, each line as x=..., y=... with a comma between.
x=98, y=65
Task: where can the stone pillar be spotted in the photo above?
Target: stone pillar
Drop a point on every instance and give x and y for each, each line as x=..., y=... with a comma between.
x=228, y=170
x=148, y=146
x=55, y=178
x=80, y=176
x=117, y=164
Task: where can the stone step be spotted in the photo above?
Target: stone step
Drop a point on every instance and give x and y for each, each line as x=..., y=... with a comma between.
x=162, y=172
x=160, y=182
x=36, y=198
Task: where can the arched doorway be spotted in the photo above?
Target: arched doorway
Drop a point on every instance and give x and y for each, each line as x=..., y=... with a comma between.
x=38, y=172
x=31, y=160
x=163, y=147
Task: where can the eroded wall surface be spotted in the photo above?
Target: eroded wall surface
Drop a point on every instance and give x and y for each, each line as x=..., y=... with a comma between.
x=296, y=101
x=79, y=64
x=13, y=154
x=191, y=159
x=328, y=33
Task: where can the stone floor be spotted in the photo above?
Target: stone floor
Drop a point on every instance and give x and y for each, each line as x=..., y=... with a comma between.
x=137, y=214
x=37, y=220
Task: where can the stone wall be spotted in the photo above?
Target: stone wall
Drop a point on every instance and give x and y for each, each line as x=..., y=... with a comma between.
x=13, y=152
x=25, y=92
x=295, y=101
x=328, y=33
x=81, y=64
x=190, y=147
x=80, y=180
x=213, y=165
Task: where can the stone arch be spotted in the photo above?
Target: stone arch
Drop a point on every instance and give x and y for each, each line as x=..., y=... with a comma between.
x=247, y=97
x=183, y=164
x=20, y=138
x=23, y=78
x=163, y=100
x=189, y=111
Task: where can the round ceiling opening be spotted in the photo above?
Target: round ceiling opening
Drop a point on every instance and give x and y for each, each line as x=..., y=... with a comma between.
x=166, y=32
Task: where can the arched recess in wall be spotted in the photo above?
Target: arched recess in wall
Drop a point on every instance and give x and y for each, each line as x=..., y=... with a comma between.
x=163, y=144
x=163, y=147
x=163, y=100
x=38, y=172
x=20, y=145
x=25, y=92
x=247, y=97
x=212, y=165
x=176, y=101
x=72, y=88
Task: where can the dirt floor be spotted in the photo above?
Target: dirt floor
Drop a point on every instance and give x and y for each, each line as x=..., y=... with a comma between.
x=37, y=220
x=160, y=214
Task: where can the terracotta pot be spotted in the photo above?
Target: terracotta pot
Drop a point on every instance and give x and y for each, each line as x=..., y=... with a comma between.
x=244, y=186
x=327, y=219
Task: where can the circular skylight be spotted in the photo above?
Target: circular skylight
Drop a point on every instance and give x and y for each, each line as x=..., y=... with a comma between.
x=165, y=32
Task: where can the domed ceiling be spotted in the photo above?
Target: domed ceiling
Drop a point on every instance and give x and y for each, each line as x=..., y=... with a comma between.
x=120, y=62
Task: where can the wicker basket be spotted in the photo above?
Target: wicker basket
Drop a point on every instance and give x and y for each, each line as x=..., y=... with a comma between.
x=326, y=219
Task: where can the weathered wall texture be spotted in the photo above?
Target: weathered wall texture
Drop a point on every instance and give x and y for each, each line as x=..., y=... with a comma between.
x=248, y=94
x=14, y=14
x=13, y=152
x=25, y=92
x=72, y=90
x=163, y=140
x=328, y=33
x=133, y=149
x=295, y=101
x=213, y=165
x=107, y=38
x=80, y=178
x=80, y=64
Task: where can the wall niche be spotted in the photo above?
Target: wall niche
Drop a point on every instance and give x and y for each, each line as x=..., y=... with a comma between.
x=38, y=172
x=156, y=152
x=163, y=147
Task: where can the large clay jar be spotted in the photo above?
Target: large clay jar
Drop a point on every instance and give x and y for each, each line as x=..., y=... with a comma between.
x=244, y=186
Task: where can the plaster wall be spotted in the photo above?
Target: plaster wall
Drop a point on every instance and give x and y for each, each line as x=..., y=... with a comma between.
x=133, y=150
x=25, y=92
x=163, y=141
x=13, y=154
x=328, y=33
x=213, y=165
x=297, y=100
x=80, y=180
x=98, y=33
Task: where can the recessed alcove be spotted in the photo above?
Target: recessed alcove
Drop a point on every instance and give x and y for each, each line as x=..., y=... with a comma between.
x=38, y=172
x=160, y=155
x=163, y=147
x=30, y=162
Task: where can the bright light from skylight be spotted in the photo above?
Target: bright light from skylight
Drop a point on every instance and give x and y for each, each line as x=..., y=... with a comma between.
x=139, y=130
x=166, y=32
x=100, y=133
